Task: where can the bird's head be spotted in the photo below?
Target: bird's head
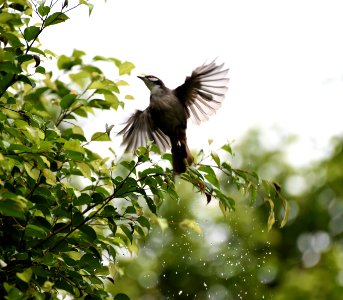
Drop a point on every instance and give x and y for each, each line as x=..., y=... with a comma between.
x=152, y=82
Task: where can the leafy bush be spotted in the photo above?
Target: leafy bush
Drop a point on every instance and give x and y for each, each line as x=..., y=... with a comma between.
x=65, y=211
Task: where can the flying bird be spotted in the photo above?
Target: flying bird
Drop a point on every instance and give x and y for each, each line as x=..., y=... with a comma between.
x=164, y=121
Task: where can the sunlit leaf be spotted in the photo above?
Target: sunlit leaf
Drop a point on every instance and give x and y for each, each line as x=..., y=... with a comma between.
x=74, y=145
x=25, y=275
x=191, y=224
x=129, y=97
x=85, y=169
x=126, y=68
x=162, y=222
x=50, y=177
x=271, y=217
x=89, y=5
x=100, y=137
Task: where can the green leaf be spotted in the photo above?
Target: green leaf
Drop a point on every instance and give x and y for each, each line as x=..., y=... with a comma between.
x=80, y=78
x=89, y=5
x=227, y=148
x=78, y=53
x=83, y=199
x=286, y=215
x=89, y=262
x=100, y=137
x=25, y=275
x=24, y=57
x=85, y=169
x=26, y=79
x=154, y=170
x=77, y=218
x=68, y=100
x=130, y=210
x=30, y=33
x=6, y=17
x=31, y=171
x=128, y=164
x=50, y=177
x=13, y=40
x=129, y=97
x=127, y=232
x=37, y=50
x=144, y=222
x=74, y=145
x=216, y=158
x=55, y=18
x=271, y=217
x=104, y=84
x=43, y=10
x=34, y=231
x=99, y=103
x=40, y=70
x=64, y=285
x=226, y=201
x=12, y=205
x=126, y=68
x=151, y=204
x=10, y=67
x=121, y=296
x=89, y=232
x=191, y=224
x=211, y=175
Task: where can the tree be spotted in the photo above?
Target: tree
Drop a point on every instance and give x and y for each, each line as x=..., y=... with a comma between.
x=65, y=211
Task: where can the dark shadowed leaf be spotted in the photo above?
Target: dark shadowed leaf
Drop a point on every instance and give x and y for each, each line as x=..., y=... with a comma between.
x=30, y=33
x=68, y=100
x=143, y=221
x=89, y=232
x=56, y=18
x=121, y=296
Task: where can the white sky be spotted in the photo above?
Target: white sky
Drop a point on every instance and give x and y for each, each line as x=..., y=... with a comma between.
x=285, y=60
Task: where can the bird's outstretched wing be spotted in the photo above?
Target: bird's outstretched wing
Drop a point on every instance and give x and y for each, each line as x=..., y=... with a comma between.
x=203, y=92
x=140, y=129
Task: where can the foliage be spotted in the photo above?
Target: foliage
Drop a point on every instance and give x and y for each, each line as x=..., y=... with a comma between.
x=65, y=211
x=235, y=257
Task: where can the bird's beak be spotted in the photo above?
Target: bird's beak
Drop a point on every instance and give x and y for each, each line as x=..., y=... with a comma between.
x=141, y=77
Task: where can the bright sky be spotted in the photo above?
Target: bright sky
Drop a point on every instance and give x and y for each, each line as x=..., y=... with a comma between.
x=285, y=60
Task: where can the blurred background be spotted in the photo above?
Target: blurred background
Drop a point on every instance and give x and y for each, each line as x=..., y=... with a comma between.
x=282, y=114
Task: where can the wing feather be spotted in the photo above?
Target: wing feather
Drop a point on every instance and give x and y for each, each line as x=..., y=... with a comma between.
x=203, y=92
x=140, y=129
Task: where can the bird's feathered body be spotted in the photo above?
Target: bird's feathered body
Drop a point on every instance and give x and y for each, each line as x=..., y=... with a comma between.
x=164, y=121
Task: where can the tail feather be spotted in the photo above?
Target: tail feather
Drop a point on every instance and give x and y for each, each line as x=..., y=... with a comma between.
x=181, y=157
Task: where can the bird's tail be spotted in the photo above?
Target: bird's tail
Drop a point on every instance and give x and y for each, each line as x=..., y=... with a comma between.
x=181, y=157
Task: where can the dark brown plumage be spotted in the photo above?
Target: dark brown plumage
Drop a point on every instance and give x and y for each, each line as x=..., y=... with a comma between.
x=164, y=121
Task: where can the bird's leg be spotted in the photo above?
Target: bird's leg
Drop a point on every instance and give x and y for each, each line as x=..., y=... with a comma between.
x=182, y=139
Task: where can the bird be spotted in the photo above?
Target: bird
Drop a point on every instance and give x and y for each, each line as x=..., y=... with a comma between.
x=164, y=121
